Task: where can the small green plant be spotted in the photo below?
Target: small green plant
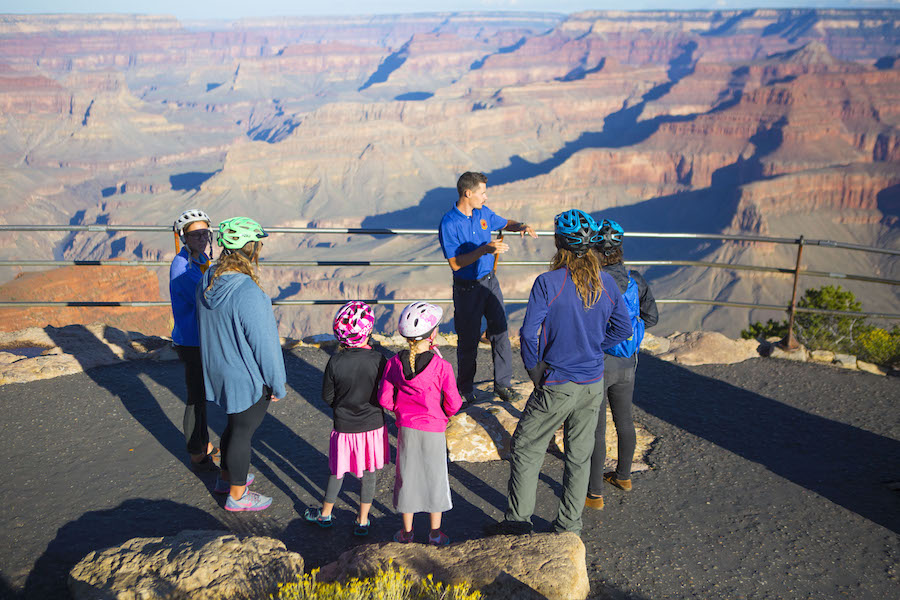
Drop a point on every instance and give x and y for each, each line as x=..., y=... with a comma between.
x=829, y=332
x=393, y=583
x=879, y=346
x=838, y=333
x=760, y=331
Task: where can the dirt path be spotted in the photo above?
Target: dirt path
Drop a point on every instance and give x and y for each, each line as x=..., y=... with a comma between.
x=771, y=480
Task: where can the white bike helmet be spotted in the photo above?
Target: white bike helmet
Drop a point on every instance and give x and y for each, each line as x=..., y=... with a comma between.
x=418, y=319
x=189, y=216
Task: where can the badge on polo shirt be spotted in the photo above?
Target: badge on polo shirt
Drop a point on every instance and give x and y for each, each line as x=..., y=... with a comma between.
x=484, y=224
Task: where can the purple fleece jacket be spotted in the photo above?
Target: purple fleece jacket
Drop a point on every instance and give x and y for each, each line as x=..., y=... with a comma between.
x=559, y=331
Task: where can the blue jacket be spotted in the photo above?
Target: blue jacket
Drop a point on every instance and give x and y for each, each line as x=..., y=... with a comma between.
x=184, y=275
x=238, y=342
x=570, y=339
x=459, y=234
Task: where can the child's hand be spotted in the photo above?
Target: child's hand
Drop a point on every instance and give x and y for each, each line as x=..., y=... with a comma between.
x=273, y=398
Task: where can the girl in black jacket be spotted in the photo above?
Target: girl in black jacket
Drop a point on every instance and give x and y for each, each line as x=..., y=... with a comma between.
x=359, y=442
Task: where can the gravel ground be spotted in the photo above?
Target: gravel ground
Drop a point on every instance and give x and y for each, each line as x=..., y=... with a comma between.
x=770, y=479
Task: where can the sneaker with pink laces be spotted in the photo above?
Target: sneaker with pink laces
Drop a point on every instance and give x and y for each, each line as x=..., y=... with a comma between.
x=438, y=538
x=251, y=501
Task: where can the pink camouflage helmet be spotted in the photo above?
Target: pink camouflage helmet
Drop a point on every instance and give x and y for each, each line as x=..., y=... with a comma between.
x=353, y=323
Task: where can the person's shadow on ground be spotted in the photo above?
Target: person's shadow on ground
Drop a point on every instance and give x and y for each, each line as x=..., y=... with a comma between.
x=847, y=465
x=124, y=383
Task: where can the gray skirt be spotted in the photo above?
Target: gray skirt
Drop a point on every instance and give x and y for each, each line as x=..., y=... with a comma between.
x=422, y=483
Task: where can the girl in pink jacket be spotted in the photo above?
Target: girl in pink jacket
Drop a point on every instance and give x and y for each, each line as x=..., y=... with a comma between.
x=419, y=387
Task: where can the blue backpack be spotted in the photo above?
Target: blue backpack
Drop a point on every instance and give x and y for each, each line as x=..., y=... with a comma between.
x=630, y=346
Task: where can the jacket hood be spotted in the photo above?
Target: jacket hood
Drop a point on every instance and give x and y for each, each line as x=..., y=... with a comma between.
x=619, y=274
x=221, y=290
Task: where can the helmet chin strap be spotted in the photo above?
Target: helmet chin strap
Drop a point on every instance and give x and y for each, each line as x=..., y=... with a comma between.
x=431, y=345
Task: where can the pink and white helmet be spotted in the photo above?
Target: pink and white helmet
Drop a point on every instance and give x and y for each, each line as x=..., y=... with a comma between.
x=353, y=323
x=418, y=319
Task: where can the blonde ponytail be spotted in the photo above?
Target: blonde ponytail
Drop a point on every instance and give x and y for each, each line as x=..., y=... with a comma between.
x=413, y=347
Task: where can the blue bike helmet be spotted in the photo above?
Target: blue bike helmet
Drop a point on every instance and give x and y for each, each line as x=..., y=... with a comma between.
x=575, y=231
x=611, y=234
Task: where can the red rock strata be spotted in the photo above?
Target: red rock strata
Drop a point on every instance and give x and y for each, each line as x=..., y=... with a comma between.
x=86, y=284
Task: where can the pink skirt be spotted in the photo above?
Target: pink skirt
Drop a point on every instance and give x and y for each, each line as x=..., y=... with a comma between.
x=358, y=452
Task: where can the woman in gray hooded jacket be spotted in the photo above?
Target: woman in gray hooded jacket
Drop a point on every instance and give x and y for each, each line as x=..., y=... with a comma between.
x=243, y=366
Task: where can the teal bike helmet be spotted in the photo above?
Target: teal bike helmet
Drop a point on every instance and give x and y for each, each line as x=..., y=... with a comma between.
x=235, y=233
x=611, y=234
x=575, y=230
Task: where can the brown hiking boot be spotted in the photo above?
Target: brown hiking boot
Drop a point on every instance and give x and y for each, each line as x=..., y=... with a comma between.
x=622, y=484
x=595, y=502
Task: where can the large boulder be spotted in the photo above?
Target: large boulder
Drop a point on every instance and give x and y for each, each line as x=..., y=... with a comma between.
x=655, y=345
x=201, y=565
x=483, y=432
x=708, y=347
x=543, y=565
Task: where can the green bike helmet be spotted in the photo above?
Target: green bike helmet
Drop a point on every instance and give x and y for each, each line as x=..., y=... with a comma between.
x=235, y=233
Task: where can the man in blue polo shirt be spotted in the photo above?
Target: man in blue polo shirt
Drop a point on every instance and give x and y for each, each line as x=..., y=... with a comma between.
x=465, y=236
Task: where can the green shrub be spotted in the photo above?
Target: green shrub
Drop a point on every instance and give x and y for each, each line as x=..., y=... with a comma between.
x=393, y=583
x=837, y=333
x=879, y=346
x=760, y=331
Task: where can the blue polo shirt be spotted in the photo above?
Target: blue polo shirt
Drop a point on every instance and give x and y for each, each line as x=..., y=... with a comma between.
x=460, y=235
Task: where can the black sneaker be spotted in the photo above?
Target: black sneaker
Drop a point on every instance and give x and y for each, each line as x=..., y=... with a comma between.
x=508, y=528
x=207, y=465
x=507, y=394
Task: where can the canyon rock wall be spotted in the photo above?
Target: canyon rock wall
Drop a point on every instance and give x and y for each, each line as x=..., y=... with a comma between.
x=764, y=122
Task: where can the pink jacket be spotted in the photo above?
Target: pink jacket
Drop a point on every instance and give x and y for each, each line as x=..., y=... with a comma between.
x=427, y=401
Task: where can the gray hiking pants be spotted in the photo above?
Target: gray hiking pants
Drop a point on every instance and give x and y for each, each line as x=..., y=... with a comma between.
x=577, y=408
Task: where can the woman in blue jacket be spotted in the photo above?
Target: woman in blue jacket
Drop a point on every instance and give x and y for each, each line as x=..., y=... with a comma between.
x=188, y=266
x=242, y=362
x=574, y=312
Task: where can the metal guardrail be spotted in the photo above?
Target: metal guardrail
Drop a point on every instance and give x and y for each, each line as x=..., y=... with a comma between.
x=791, y=308
x=374, y=301
x=101, y=228
x=443, y=263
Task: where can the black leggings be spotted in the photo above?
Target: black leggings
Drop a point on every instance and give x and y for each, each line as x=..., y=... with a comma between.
x=618, y=381
x=194, y=425
x=235, y=442
x=366, y=494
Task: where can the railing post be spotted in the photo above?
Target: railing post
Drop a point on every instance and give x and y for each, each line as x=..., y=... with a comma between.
x=789, y=342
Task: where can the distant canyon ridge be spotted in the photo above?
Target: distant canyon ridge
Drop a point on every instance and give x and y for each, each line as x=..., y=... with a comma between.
x=768, y=122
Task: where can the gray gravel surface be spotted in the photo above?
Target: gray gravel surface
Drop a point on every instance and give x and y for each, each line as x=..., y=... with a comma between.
x=770, y=479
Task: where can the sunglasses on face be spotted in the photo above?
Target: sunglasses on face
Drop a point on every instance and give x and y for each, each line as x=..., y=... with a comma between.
x=197, y=235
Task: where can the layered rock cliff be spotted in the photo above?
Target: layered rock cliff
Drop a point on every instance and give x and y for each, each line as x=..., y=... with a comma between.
x=757, y=121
